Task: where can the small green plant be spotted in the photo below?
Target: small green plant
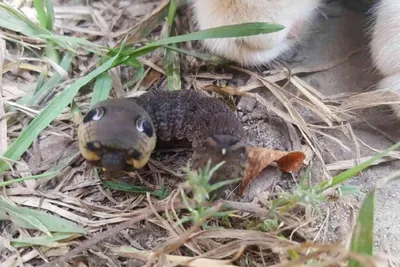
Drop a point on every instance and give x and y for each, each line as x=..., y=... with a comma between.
x=266, y=225
x=304, y=194
x=199, y=183
x=362, y=242
x=313, y=195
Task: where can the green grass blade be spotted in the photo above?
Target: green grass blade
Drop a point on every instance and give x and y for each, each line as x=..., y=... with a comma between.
x=102, y=88
x=171, y=16
x=344, y=176
x=42, y=92
x=363, y=236
x=173, y=67
x=46, y=19
x=74, y=43
x=133, y=62
x=41, y=80
x=50, y=15
x=76, y=113
x=120, y=186
x=173, y=70
x=239, y=30
x=47, y=241
x=205, y=57
x=33, y=177
x=28, y=218
x=15, y=214
x=28, y=135
x=347, y=190
x=13, y=20
x=52, y=53
x=362, y=241
x=41, y=13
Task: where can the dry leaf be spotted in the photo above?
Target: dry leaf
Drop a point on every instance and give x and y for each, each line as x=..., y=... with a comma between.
x=225, y=91
x=260, y=158
x=151, y=78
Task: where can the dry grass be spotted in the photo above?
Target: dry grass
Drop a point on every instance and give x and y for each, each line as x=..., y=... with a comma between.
x=130, y=229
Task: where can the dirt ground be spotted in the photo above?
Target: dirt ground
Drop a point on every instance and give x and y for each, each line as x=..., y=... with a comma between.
x=337, y=46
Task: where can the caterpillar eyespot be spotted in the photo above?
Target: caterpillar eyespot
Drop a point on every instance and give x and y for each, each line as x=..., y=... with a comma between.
x=94, y=115
x=99, y=114
x=143, y=126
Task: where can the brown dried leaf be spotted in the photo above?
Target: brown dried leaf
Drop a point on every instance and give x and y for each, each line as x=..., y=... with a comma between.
x=260, y=157
x=225, y=91
x=151, y=78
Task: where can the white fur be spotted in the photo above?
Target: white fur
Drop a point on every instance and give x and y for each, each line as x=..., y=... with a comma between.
x=260, y=49
x=392, y=82
x=385, y=45
x=295, y=16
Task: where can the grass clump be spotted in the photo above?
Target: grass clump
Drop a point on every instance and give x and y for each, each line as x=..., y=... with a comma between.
x=198, y=181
